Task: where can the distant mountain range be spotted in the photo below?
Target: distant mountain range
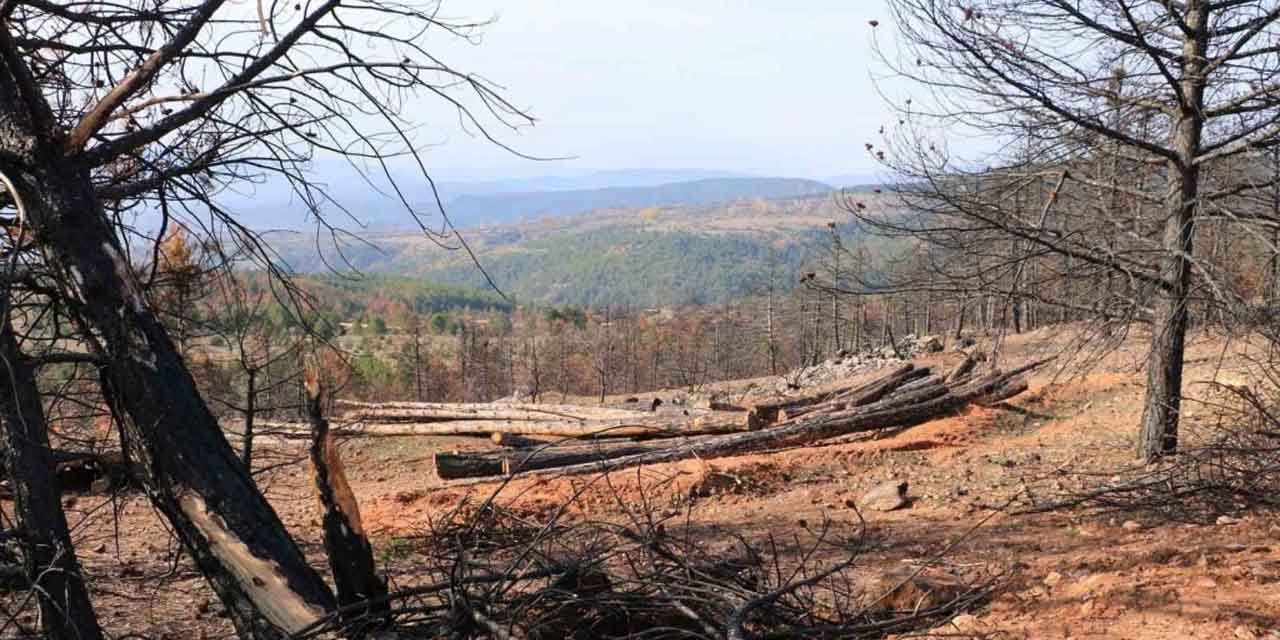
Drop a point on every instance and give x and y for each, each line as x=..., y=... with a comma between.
x=496, y=208
x=360, y=207
x=577, y=181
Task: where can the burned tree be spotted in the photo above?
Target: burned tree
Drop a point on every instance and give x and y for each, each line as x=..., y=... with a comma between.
x=1160, y=95
x=51, y=568
x=153, y=108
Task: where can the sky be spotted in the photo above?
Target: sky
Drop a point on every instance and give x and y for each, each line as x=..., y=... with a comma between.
x=768, y=87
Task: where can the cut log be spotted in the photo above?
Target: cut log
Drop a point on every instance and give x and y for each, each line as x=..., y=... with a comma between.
x=763, y=413
x=512, y=440
x=1004, y=392
x=867, y=394
x=504, y=462
x=867, y=418
x=643, y=426
x=424, y=412
x=964, y=369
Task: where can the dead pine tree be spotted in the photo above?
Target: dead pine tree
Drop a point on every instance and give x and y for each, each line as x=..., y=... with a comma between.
x=362, y=593
x=50, y=564
x=193, y=108
x=1066, y=86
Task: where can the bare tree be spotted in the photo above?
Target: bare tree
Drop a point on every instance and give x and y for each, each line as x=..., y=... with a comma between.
x=115, y=108
x=1161, y=91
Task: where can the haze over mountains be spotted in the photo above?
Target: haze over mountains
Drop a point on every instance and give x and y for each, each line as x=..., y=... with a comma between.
x=470, y=210
x=472, y=203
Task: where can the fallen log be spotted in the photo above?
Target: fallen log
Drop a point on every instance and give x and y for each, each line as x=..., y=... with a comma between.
x=894, y=383
x=422, y=412
x=764, y=413
x=647, y=425
x=512, y=440
x=1004, y=392
x=964, y=369
x=452, y=465
x=885, y=415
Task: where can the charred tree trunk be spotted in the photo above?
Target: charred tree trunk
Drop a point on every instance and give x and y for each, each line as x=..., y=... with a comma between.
x=361, y=592
x=1159, y=431
x=250, y=408
x=51, y=568
x=191, y=473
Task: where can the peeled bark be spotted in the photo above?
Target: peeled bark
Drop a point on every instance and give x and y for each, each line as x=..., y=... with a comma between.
x=644, y=426
x=191, y=473
x=52, y=570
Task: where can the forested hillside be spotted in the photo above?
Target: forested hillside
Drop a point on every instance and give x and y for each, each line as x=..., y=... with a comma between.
x=633, y=257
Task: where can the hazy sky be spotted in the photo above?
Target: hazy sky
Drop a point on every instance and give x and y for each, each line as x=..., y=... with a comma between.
x=762, y=86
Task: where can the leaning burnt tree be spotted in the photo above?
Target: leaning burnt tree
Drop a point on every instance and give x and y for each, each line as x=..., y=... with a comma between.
x=115, y=110
x=1119, y=130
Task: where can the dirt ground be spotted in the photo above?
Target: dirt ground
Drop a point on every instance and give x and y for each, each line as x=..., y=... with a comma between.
x=1069, y=573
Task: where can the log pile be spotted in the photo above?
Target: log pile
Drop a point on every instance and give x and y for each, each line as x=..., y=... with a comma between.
x=905, y=396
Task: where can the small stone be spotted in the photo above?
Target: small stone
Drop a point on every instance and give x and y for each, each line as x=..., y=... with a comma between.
x=1131, y=526
x=964, y=622
x=1245, y=633
x=1225, y=520
x=1052, y=579
x=102, y=548
x=887, y=496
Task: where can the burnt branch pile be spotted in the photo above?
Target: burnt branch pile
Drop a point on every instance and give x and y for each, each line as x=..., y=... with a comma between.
x=503, y=573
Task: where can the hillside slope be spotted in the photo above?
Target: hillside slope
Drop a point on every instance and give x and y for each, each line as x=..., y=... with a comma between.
x=639, y=257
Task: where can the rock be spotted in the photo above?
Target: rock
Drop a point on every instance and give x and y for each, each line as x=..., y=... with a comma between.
x=1053, y=579
x=714, y=483
x=965, y=622
x=929, y=344
x=1131, y=526
x=1227, y=520
x=887, y=496
x=898, y=591
x=1244, y=633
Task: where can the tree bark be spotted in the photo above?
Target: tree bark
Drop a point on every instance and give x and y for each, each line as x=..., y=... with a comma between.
x=650, y=426
x=766, y=412
x=250, y=408
x=431, y=412
x=1159, y=431
x=191, y=473
x=350, y=554
x=452, y=465
x=52, y=570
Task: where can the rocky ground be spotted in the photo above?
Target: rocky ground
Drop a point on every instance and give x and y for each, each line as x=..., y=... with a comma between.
x=1207, y=571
